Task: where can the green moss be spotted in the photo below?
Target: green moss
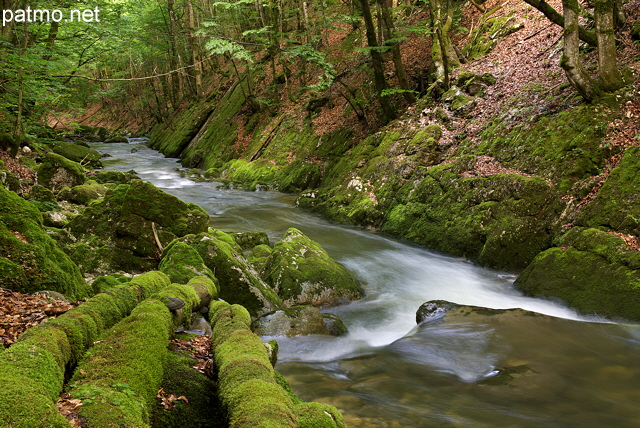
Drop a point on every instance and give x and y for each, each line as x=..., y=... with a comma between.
x=302, y=273
x=251, y=392
x=119, y=378
x=247, y=240
x=103, y=283
x=239, y=282
x=181, y=262
x=84, y=193
x=117, y=177
x=590, y=276
x=617, y=205
x=57, y=171
x=78, y=153
x=29, y=259
x=203, y=409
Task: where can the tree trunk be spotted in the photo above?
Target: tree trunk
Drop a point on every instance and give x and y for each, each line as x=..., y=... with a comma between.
x=610, y=76
x=403, y=82
x=376, y=61
x=570, y=61
x=552, y=15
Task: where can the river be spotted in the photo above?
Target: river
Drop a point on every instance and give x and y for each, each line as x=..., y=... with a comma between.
x=515, y=369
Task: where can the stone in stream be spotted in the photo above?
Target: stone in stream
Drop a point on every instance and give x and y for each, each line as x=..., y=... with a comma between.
x=299, y=321
x=302, y=273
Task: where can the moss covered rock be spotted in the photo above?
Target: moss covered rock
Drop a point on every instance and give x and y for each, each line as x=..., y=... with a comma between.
x=78, y=153
x=591, y=270
x=247, y=240
x=302, y=273
x=239, y=282
x=127, y=228
x=117, y=177
x=57, y=171
x=617, y=205
x=29, y=259
x=181, y=262
x=84, y=193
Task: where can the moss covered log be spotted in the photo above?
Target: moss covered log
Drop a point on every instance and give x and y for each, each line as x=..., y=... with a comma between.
x=32, y=370
x=119, y=377
x=252, y=393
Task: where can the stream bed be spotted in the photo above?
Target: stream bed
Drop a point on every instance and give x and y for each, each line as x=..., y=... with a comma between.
x=551, y=367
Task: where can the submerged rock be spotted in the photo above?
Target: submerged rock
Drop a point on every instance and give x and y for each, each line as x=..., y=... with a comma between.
x=302, y=273
x=295, y=321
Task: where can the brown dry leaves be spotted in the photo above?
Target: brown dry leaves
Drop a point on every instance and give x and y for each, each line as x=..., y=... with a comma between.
x=20, y=311
x=631, y=240
x=67, y=407
x=487, y=165
x=199, y=348
x=168, y=401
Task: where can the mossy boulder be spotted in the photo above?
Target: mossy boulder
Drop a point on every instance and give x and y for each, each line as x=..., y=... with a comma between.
x=116, y=139
x=258, y=256
x=30, y=260
x=239, y=281
x=617, y=205
x=127, y=228
x=117, y=177
x=247, y=240
x=302, y=273
x=41, y=194
x=592, y=270
x=487, y=35
x=181, y=262
x=298, y=176
x=502, y=221
x=104, y=283
x=83, y=194
x=297, y=321
x=56, y=171
x=78, y=153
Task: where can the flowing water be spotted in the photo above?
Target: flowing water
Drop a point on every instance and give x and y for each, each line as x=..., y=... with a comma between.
x=513, y=369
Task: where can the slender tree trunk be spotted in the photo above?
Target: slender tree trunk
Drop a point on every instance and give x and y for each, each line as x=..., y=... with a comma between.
x=403, y=82
x=570, y=62
x=376, y=61
x=610, y=76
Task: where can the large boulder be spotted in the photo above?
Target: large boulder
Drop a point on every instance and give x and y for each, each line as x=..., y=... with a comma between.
x=78, y=153
x=592, y=270
x=30, y=260
x=128, y=229
x=239, y=281
x=56, y=171
x=84, y=193
x=302, y=273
